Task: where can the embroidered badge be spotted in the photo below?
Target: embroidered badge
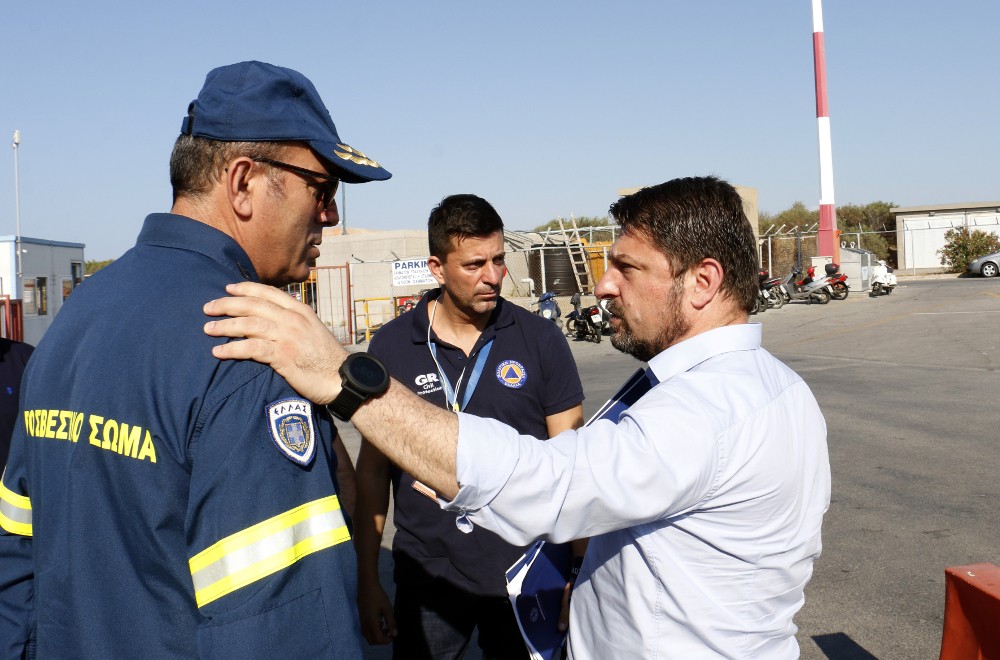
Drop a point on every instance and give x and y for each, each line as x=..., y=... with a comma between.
x=290, y=422
x=511, y=373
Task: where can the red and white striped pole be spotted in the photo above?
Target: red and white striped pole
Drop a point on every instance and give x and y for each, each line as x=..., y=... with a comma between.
x=828, y=244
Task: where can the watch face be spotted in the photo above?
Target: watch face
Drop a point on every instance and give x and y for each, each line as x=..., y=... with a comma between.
x=367, y=373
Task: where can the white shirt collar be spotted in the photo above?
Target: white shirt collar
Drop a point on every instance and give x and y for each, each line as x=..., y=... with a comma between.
x=692, y=352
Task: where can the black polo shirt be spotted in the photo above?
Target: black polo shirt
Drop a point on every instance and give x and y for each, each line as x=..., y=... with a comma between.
x=13, y=356
x=528, y=375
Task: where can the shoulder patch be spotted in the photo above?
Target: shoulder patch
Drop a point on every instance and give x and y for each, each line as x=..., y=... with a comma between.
x=290, y=422
x=512, y=373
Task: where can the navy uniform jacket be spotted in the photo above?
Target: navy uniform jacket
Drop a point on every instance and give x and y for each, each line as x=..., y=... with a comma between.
x=529, y=374
x=173, y=505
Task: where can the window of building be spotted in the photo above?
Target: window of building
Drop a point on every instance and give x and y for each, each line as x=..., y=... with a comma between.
x=28, y=297
x=42, y=291
x=76, y=271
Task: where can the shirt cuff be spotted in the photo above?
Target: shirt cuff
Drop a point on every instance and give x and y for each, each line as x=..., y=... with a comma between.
x=487, y=453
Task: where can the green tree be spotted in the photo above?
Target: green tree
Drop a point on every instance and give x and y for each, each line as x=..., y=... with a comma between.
x=871, y=222
x=782, y=249
x=796, y=216
x=91, y=267
x=962, y=246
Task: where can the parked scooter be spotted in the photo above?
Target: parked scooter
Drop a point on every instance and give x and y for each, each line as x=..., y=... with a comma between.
x=585, y=323
x=820, y=288
x=883, y=279
x=605, y=316
x=759, y=303
x=808, y=289
x=770, y=290
x=838, y=282
x=548, y=308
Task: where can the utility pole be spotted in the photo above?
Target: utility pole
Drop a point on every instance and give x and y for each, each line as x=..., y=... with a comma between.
x=343, y=209
x=17, y=214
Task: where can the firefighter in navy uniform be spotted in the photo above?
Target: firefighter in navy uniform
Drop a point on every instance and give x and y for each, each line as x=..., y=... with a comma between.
x=157, y=503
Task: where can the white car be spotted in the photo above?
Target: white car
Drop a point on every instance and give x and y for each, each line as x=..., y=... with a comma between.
x=987, y=265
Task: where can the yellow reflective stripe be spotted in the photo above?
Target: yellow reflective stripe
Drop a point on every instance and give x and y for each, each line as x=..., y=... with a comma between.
x=15, y=512
x=266, y=548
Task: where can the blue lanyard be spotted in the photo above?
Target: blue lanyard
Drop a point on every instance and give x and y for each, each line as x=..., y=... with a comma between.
x=634, y=388
x=451, y=393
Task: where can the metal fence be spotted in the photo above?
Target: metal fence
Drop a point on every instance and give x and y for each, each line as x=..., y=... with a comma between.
x=779, y=253
x=921, y=239
x=915, y=247
x=355, y=299
x=537, y=270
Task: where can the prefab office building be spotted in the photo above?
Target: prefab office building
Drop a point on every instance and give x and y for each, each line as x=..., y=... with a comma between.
x=49, y=271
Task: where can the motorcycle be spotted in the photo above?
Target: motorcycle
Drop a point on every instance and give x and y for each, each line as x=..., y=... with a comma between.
x=808, y=289
x=586, y=323
x=605, y=316
x=548, y=308
x=838, y=282
x=770, y=290
x=883, y=279
x=759, y=303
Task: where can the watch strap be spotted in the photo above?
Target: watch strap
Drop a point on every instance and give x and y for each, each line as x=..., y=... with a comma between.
x=346, y=403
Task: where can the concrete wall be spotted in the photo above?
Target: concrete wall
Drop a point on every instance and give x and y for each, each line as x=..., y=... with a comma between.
x=368, y=255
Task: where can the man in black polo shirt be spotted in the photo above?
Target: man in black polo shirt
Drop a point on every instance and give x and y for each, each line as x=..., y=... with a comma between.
x=13, y=356
x=465, y=348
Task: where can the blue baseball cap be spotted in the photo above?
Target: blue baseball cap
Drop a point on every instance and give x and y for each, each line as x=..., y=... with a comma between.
x=259, y=102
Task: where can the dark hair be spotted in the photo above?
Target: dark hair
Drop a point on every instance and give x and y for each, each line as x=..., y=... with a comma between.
x=460, y=216
x=692, y=219
x=196, y=164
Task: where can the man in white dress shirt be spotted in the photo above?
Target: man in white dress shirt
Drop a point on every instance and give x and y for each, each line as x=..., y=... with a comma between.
x=704, y=502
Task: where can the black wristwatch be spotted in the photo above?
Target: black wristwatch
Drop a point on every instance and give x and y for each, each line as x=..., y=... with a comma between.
x=362, y=377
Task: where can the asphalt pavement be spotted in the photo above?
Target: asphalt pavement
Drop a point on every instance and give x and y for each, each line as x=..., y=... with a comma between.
x=910, y=387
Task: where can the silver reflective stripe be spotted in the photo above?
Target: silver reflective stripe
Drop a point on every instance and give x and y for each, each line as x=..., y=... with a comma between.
x=15, y=511
x=265, y=548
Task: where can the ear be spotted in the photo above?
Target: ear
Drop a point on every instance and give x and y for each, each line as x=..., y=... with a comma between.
x=704, y=280
x=436, y=266
x=240, y=182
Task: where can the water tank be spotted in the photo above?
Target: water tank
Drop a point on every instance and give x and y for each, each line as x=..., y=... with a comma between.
x=558, y=271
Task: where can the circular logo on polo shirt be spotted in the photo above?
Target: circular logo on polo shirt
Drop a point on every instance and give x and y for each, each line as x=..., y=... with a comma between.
x=511, y=373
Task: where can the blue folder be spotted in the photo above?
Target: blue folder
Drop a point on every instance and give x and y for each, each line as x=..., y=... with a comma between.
x=536, y=581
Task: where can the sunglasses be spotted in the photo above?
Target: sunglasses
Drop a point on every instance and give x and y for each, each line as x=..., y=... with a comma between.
x=325, y=185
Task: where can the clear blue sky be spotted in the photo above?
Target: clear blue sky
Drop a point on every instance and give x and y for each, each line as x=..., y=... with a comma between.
x=544, y=108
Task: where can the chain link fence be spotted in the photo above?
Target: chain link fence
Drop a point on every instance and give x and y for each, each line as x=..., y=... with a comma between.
x=779, y=253
x=914, y=248
x=355, y=299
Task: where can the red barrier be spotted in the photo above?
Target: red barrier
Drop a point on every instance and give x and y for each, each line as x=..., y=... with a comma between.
x=971, y=612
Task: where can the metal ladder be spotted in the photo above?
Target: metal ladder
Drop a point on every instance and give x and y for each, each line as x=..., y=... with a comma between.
x=577, y=255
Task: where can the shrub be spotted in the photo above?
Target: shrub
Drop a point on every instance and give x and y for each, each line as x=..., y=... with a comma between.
x=962, y=246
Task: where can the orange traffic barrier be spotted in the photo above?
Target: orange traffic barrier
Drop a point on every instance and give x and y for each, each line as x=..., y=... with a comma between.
x=971, y=612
